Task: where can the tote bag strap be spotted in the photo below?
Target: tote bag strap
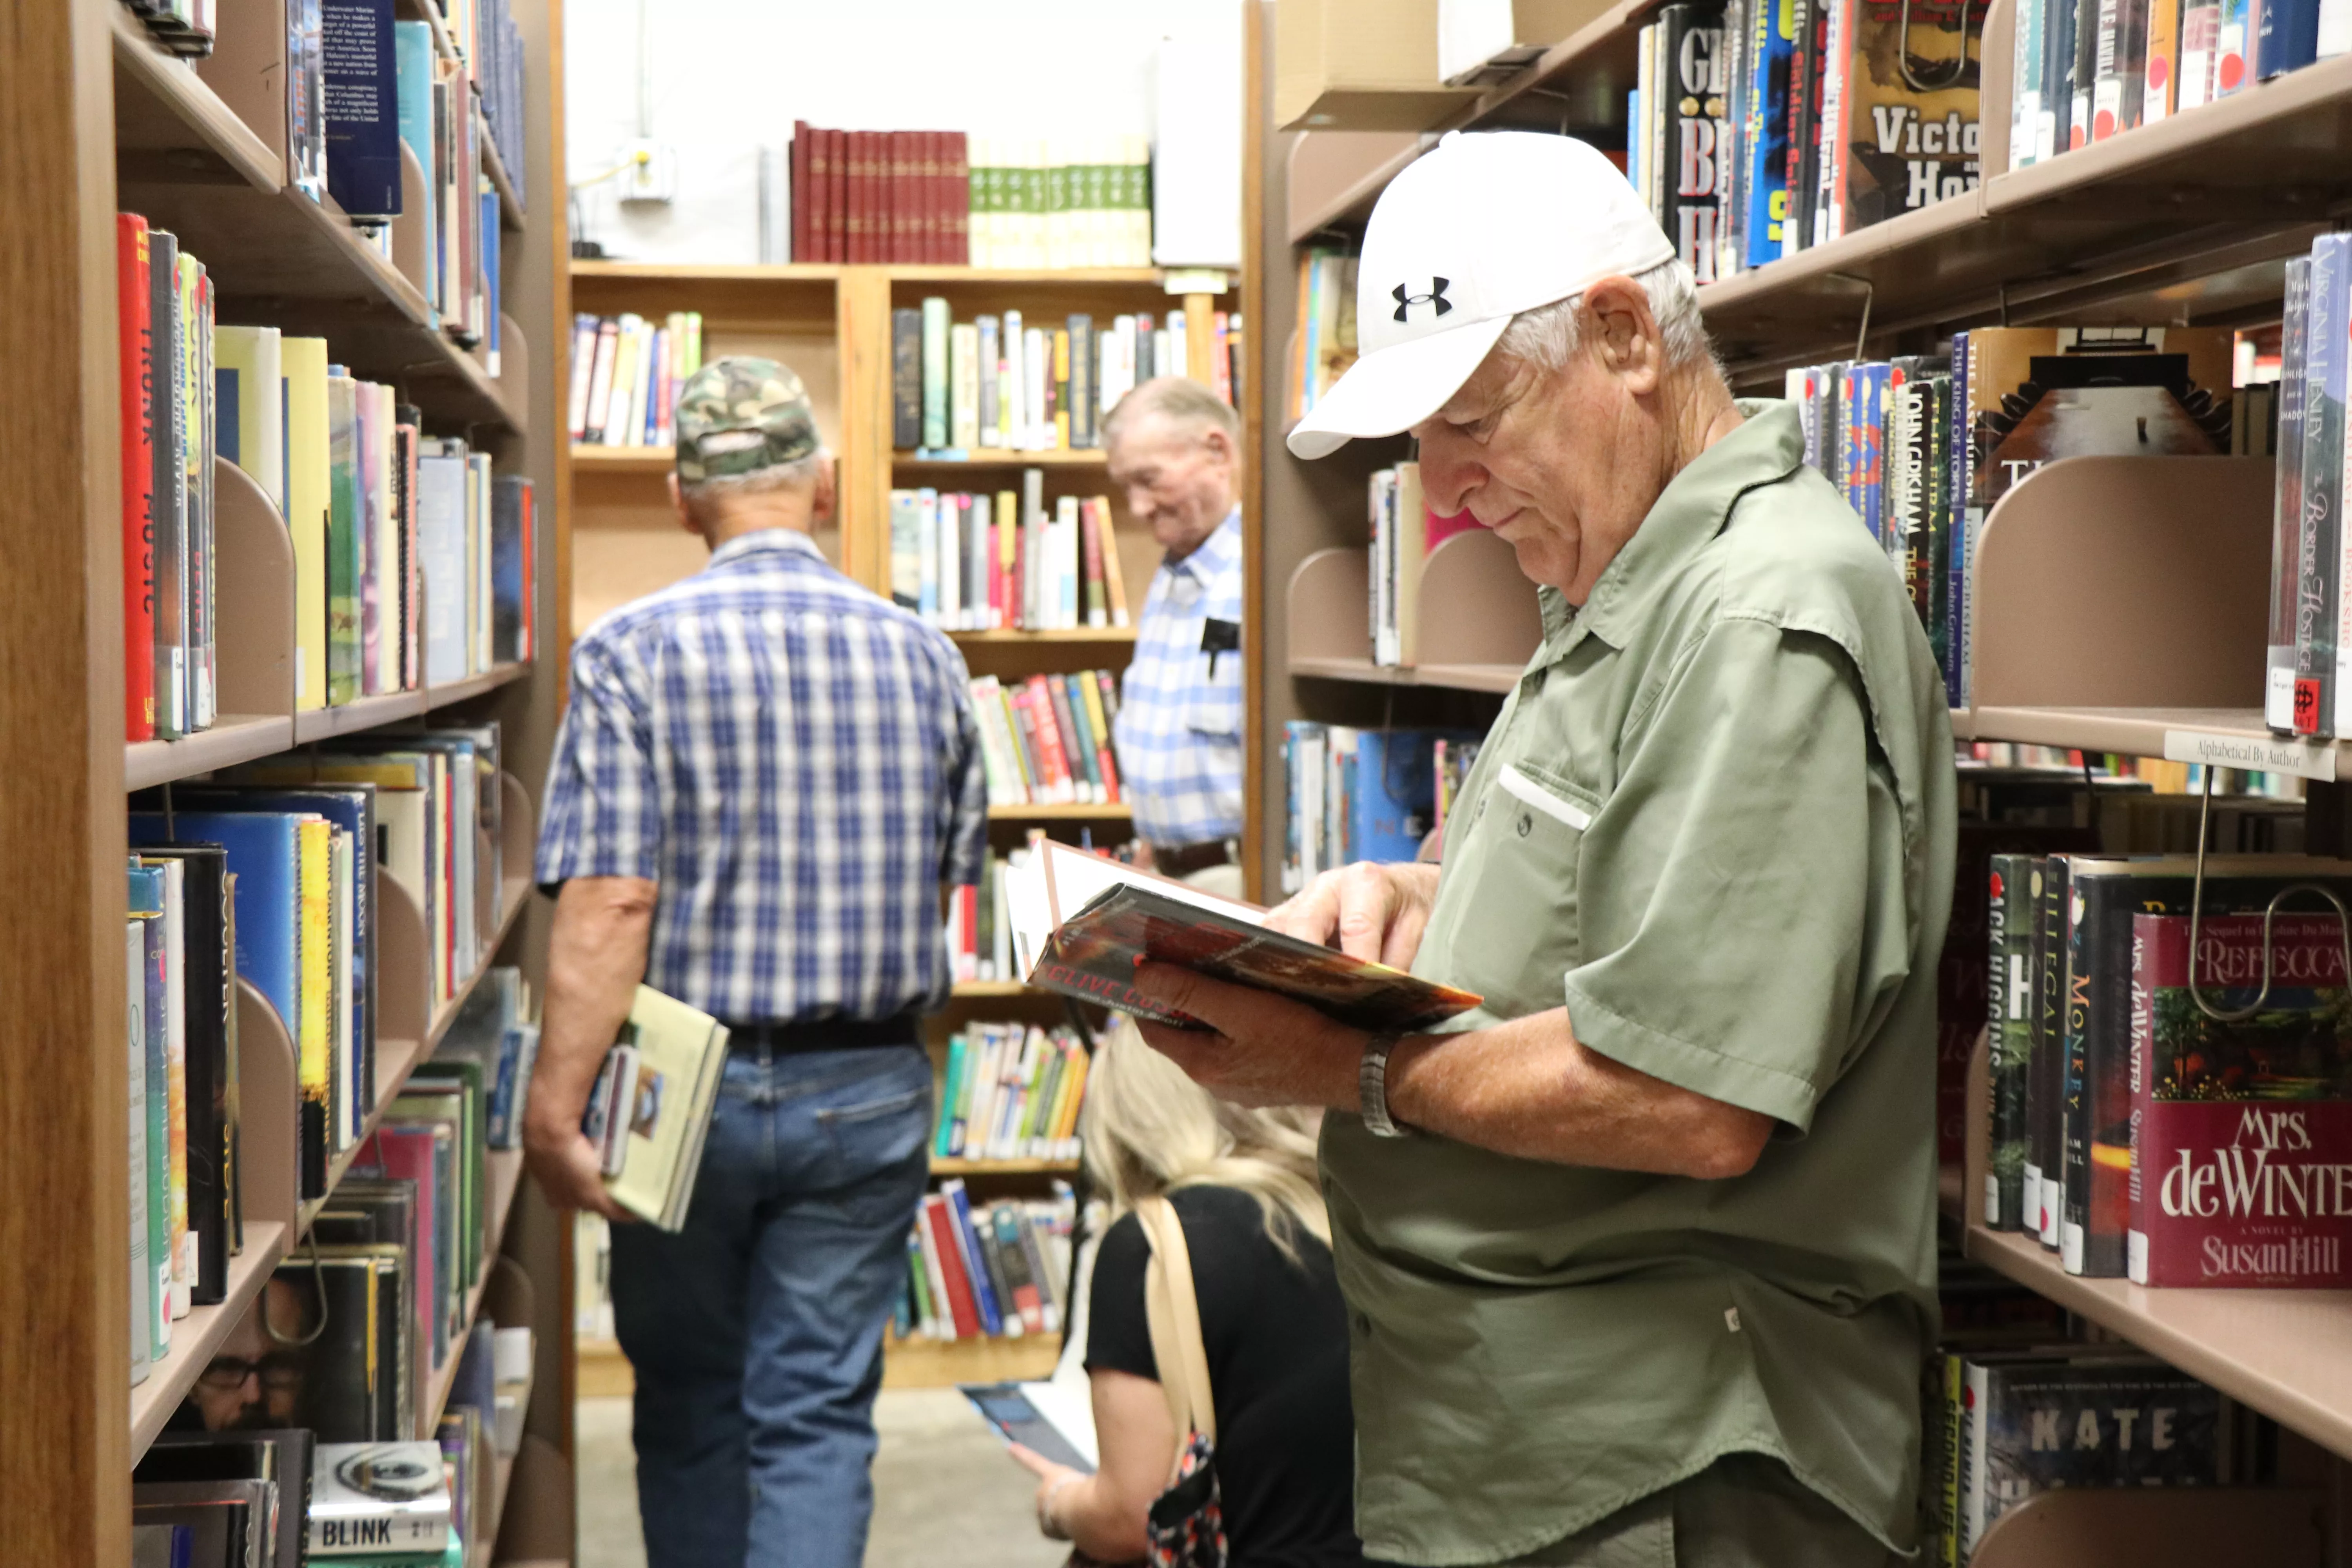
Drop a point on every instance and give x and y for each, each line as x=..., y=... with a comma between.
x=1173, y=1312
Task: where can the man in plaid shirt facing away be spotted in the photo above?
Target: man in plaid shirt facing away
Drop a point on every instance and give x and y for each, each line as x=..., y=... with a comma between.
x=765, y=778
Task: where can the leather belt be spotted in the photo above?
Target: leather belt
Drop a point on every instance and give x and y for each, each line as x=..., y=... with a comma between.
x=802, y=1035
x=1183, y=860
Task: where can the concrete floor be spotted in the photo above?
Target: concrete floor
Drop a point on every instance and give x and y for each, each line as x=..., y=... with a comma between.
x=943, y=1490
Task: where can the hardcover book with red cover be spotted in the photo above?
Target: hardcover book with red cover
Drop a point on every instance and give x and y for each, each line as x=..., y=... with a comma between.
x=134, y=315
x=803, y=194
x=943, y=1228
x=2241, y=1131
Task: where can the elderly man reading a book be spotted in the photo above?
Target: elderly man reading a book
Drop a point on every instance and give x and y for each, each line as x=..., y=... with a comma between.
x=1639, y=1255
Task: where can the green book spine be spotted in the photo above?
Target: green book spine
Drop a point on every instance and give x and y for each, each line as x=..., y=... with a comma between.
x=935, y=371
x=924, y=1317
x=344, y=539
x=944, y=1137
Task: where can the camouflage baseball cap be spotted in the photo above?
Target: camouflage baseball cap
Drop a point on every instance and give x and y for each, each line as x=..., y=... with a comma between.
x=737, y=416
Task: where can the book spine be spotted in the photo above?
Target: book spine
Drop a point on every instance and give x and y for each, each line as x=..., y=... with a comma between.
x=936, y=326
x=2286, y=518
x=167, y=444
x=967, y=1241
x=133, y=316
x=2009, y=991
x=2332, y=413
x=950, y=1282
x=2082, y=81
x=2160, y=76
x=1956, y=667
x=2120, y=67
x=2322, y=449
x=1772, y=54
x=1053, y=756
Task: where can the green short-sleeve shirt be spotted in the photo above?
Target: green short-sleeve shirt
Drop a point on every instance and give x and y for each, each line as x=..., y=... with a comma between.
x=1715, y=820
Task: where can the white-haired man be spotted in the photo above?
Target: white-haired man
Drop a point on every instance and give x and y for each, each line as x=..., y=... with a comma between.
x=1173, y=448
x=1640, y=1260
x=765, y=776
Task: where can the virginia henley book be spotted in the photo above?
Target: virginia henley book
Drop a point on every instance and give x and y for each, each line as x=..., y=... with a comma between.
x=1081, y=923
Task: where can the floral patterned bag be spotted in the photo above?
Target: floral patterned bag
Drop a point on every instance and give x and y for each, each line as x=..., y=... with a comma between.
x=1186, y=1524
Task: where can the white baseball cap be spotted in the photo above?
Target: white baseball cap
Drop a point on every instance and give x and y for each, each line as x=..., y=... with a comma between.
x=1486, y=226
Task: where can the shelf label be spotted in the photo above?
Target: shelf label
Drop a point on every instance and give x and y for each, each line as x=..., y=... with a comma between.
x=1196, y=280
x=2260, y=754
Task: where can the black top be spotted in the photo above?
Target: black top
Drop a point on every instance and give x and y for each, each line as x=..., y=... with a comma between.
x=1276, y=1337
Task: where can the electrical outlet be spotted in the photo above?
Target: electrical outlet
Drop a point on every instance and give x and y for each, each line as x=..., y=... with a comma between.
x=648, y=171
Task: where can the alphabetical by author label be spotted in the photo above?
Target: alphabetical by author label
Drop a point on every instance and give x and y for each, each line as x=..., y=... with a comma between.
x=2269, y=754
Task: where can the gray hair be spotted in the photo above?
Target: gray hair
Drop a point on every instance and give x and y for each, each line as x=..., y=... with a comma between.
x=801, y=474
x=1548, y=336
x=1178, y=399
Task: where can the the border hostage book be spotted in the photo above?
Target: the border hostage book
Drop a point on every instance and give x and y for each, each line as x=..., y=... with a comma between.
x=1082, y=923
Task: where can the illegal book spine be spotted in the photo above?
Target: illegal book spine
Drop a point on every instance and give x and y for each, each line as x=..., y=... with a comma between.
x=2325, y=351
x=2241, y=1131
x=134, y=315
x=2046, y=1071
x=2008, y=1034
x=1901, y=147
x=2286, y=518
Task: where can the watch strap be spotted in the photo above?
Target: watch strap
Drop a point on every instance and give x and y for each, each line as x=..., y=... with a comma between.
x=1372, y=1087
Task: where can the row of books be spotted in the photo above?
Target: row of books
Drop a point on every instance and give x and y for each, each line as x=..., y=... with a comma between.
x=1361, y=794
x=999, y=1271
x=412, y=561
x=1048, y=739
x=1326, y=343
x=1404, y=534
x=995, y=383
x=2085, y=72
x=1923, y=448
x=2178, y=1132
x=973, y=563
x=246, y=1487
x=307, y=840
x=979, y=927
x=1012, y=1091
x=2069, y=804
x=2014, y=1404
x=2308, y=688
x=625, y=375
x=184, y=27
x=942, y=197
x=649, y=1111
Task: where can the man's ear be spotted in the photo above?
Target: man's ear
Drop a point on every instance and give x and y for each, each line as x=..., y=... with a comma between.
x=826, y=492
x=1220, y=444
x=1620, y=329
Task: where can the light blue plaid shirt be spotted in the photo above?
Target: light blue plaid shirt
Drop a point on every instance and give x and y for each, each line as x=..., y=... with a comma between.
x=1179, y=723
x=795, y=763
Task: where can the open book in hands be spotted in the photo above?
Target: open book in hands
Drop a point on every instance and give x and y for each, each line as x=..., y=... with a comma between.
x=1081, y=923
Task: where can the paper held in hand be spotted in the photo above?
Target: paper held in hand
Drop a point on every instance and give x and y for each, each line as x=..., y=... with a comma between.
x=650, y=1109
x=1081, y=923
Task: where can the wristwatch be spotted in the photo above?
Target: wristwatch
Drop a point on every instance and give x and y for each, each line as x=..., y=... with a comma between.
x=1372, y=1087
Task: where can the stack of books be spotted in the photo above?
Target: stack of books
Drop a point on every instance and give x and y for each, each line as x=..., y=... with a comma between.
x=996, y=1272
x=1404, y=531
x=1080, y=199
x=1363, y=794
x=626, y=375
x=998, y=382
x=880, y=198
x=976, y=562
x=1326, y=343
x=1012, y=1091
x=1923, y=448
x=1046, y=741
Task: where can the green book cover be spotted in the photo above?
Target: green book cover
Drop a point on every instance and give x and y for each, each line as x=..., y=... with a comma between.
x=950, y=1097
x=345, y=538
x=936, y=324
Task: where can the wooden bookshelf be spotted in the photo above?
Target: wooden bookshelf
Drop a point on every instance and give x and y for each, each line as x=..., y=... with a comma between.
x=910, y=1362
x=121, y=125
x=996, y=458
x=654, y=461
x=949, y=1165
x=1014, y=636
x=1067, y=811
x=502, y=1175
x=977, y=989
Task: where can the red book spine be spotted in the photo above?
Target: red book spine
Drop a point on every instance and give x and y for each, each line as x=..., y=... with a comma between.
x=1091, y=602
x=969, y=898
x=925, y=187
x=1049, y=740
x=955, y=186
x=2241, y=1137
x=910, y=210
x=529, y=572
x=134, y=329
x=834, y=185
x=951, y=1251
x=802, y=196
x=865, y=174
x=852, y=196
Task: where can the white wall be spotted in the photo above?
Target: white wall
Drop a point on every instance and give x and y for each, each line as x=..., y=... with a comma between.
x=729, y=76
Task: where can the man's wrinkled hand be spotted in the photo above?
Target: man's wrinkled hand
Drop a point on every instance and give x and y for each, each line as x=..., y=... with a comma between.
x=1260, y=1049
x=570, y=1169
x=1375, y=912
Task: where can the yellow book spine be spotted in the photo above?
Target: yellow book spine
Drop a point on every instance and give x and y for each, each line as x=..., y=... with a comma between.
x=318, y=969
x=1062, y=389
x=1091, y=691
x=309, y=495
x=1114, y=577
x=1073, y=1096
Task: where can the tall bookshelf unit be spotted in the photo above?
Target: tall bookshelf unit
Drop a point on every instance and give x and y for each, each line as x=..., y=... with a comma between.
x=99, y=119
x=832, y=325
x=2119, y=607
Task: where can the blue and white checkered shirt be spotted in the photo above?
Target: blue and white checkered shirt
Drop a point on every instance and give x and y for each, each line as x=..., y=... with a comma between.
x=1179, y=715
x=795, y=763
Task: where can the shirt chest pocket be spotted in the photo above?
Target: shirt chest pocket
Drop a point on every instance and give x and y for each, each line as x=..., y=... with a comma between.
x=1213, y=703
x=1519, y=933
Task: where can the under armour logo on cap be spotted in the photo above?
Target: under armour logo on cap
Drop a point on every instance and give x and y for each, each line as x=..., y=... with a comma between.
x=1436, y=298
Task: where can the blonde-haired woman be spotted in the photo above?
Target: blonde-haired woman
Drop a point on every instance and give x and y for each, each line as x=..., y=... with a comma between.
x=1276, y=1331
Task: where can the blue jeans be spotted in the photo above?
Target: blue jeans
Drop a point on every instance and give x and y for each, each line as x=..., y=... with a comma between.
x=756, y=1333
